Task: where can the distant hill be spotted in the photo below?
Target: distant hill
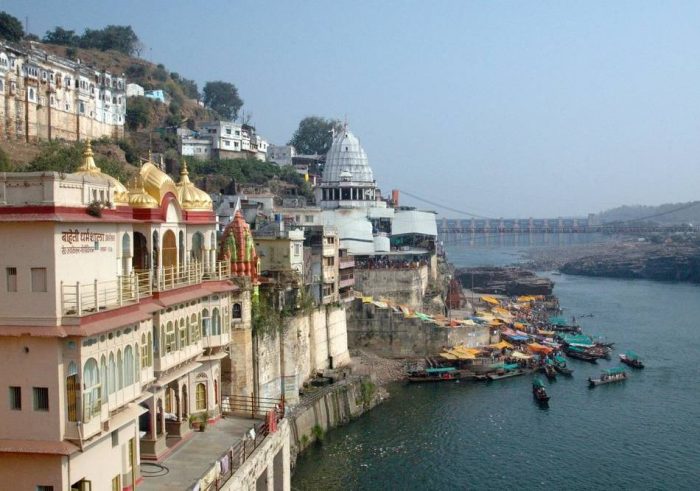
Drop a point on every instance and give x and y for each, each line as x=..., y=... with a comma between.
x=666, y=214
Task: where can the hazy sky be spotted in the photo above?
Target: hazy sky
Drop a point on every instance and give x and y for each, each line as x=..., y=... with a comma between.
x=521, y=108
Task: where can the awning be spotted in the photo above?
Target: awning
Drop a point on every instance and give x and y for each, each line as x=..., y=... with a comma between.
x=539, y=348
x=166, y=378
x=520, y=356
x=501, y=345
x=490, y=299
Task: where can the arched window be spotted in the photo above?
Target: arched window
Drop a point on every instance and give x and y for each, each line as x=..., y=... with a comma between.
x=92, y=403
x=72, y=391
x=137, y=362
x=169, y=337
x=112, y=375
x=150, y=350
x=206, y=323
x=201, y=397
x=103, y=377
x=144, y=350
x=120, y=370
x=128, y=366
x=163, y=352
x=193, y=328
x=183, y=334
x=215, y=322
x=237, y=311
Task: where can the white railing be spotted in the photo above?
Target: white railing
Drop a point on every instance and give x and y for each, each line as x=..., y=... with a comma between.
x=79, y=299
x=87, y=298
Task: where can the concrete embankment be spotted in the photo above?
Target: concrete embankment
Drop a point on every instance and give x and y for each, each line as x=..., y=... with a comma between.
x=329, y=407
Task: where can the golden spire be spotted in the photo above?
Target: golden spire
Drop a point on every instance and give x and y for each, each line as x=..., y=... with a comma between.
x=88, y=164
x=184, y=174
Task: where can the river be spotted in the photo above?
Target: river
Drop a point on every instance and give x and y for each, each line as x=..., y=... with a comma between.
x=640, y=434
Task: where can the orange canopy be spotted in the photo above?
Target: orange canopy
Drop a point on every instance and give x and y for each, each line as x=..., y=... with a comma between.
x=539, y=348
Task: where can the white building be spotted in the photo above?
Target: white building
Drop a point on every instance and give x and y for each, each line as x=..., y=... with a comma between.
x=134, y=90
x=281, y=154
x=352, y=203
x=228, y=139
x=47, y=97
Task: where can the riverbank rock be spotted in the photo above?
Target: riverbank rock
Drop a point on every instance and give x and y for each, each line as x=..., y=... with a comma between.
x=509, y=281
x=642, y=261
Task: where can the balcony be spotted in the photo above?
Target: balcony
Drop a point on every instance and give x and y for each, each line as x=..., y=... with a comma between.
x=346, y=262
x=328, y=250
x=78, y=299
x=328, y=275
x=346, y=282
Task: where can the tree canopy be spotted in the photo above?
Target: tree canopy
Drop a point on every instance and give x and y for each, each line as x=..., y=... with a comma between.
x=10, y=27
x=314, y=135
x=118, y=38
x=223, y=98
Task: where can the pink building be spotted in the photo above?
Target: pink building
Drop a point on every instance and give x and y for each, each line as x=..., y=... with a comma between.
x=117, y=324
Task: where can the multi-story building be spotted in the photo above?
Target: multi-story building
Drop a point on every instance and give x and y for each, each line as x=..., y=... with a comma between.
x=47, y=97
x=224, y=140
x=117, y=322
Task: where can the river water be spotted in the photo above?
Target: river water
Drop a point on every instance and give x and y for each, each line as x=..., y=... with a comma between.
x=640, y=434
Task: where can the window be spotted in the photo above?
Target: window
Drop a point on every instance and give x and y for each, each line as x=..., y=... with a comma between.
x=169, y=338
x=201, y=397
x=215, y=323
x=16, y=398
x=38, y=279
x=297, y=249
x=144, y=351
x=41, y=487
x=183, y=334
x=92, y=390
x=111, y=375
x=228, y=131
x=41, y=398
x=205, y=322
x=128, y=366
x=115, y=438
x=227, y=143
x=117, y=483
x=11, y=279
x=237, y=311
x=308, y=218
x=72, y=391
x=120, y=370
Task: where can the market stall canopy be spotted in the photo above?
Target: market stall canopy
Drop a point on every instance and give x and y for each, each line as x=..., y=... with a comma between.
x=539, y=348
x=490, y=299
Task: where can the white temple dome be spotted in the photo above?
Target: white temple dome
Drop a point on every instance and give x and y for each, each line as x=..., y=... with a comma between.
x=346, y=156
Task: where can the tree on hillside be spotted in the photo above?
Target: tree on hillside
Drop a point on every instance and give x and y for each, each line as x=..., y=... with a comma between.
x=223, y=98
x=62, y=37
x=10, y=27
x=138, y=113
x=118, y=38
x=314, y=135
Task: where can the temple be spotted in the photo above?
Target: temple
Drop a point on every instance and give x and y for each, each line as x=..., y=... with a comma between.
x=118, y=322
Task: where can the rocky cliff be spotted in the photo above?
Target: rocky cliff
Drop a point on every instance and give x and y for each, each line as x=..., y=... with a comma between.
x=665, y=262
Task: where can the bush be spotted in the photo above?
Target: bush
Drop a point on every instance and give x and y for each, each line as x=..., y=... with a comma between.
x=5, y=164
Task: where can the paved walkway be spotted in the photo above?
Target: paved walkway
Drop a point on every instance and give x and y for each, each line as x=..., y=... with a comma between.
x=194, y=457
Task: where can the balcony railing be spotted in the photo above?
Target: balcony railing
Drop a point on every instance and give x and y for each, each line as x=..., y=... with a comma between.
x=345, y=282
x=346, y=263
x=78, y=299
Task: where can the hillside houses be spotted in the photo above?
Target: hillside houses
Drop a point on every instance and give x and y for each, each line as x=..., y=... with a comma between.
x=48, y=97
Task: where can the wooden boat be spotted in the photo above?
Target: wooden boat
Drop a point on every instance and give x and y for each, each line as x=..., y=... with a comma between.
x=630, y=358
x=549, y=371
x=615, y=374
x=539, y=392
x=439, y=374
x=560, y=366
x=507, y=371
x=580, y=354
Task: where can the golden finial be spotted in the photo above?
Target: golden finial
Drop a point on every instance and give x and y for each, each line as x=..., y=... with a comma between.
x=183, y=168
x=88, y=164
